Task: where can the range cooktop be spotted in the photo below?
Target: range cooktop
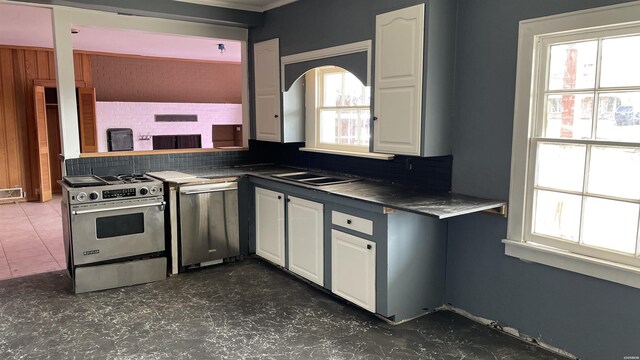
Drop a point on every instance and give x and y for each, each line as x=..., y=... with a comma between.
x=94, y=180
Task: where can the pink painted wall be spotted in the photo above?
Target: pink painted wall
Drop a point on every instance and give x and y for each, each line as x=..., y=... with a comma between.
x=139, y=116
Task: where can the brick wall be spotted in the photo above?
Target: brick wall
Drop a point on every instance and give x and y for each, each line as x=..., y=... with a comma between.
x=146, y=79
x=139, y=116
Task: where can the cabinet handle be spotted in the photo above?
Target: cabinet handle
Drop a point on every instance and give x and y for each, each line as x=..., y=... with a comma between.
x=375, y=118
x=349, y=221
x=279, y=197
x=368, y=247
x=288, y=200
x=275, y=116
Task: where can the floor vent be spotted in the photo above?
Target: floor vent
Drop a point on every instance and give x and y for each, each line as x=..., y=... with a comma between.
x=11, y=194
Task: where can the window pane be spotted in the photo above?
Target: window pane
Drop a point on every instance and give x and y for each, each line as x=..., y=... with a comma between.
x=619, y=116
x=557, y=215
x=569, y=116
x=610, y=224
x=345, y=127
x=560, y=166
x=342, y=88
x=573, y=66
x=356, y=94
x=615, y=171
x=332, y=89
x=620, y=58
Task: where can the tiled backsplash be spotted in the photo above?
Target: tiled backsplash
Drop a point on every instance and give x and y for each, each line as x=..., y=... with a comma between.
x=430, y=174
x=113, y=165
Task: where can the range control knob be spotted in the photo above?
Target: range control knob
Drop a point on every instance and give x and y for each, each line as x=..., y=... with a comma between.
x=94, y=196
x=153, y=190
x=81, y=196
x=144, y=191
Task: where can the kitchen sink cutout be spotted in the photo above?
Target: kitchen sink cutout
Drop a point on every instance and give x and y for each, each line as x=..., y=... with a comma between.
x=315, y=179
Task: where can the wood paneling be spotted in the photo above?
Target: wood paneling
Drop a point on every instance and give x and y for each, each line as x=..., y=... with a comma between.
x=20, y=69
x=118, y=78
x=9, y=131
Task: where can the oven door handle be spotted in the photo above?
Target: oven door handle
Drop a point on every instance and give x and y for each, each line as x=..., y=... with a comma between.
x=81, y=212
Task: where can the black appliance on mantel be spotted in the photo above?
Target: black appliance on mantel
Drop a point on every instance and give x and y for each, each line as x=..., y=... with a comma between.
x=119, y=139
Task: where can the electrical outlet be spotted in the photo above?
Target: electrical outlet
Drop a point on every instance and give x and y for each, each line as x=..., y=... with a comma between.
x=409, y=164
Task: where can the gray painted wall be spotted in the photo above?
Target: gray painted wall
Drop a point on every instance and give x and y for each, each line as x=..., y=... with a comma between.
x=591, y=318
x=316, y=24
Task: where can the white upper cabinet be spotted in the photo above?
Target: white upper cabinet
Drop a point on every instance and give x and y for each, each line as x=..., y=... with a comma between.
x=413, y=91
x=266, y=62
x=398, y=81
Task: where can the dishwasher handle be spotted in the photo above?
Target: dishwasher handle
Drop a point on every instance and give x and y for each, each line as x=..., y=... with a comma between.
x=208, y=189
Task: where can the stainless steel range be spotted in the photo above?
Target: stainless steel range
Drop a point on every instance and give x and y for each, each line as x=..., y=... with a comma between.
x=113, y=230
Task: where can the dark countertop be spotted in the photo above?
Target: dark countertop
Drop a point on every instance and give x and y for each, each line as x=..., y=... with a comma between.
x=439, y=205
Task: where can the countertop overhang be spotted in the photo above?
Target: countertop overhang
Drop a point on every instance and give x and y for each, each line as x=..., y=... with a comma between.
x=394, y=196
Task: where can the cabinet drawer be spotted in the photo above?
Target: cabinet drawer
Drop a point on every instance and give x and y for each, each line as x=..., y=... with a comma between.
x=356, y=223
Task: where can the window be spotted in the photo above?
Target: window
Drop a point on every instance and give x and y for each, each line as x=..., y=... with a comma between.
x=575, y=190
x=342, y=111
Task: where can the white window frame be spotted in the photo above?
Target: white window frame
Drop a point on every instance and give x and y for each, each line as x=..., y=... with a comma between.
x=317, y=92
x=310, y=123
x=531, y=32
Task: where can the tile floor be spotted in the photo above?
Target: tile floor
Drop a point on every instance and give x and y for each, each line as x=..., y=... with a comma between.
x=30, y=238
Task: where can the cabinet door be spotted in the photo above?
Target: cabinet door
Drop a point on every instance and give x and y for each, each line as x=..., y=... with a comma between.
x=44, y=167
x=266, y=61
x=270, y=225
x=306, y=239
x=398, y=81
x=353, y=269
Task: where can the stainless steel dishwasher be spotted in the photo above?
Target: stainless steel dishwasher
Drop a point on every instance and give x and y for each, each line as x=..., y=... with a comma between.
x=208, y=223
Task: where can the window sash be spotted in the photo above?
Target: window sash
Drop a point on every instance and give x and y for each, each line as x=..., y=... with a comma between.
x=538, y=111
x=320, y=73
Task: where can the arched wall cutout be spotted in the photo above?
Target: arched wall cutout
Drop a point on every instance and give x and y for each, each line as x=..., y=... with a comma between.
x=354, y=57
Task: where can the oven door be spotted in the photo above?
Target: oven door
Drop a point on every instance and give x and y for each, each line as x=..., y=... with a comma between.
x=117, y=229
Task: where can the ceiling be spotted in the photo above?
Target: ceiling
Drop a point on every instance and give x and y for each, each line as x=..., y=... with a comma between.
x=39, y=33
x=249, y=5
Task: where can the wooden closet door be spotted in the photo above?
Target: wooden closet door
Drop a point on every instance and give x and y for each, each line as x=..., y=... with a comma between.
x=87, y=120
x=44, y=167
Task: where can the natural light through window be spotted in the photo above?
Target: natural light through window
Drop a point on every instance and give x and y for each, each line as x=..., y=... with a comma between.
x=343, y=111
x=585, y=189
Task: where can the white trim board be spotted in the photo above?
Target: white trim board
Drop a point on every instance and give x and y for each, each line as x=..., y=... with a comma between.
x=369, y=155
x=601, y=269
x=351, y=48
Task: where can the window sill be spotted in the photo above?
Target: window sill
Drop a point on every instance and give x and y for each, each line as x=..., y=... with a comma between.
x=350, y=153
x=602, y=269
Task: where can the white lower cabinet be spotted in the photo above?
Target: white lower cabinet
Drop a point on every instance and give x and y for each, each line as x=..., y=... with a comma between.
x=270, y=225
x=306, y=237
x=353, y=269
